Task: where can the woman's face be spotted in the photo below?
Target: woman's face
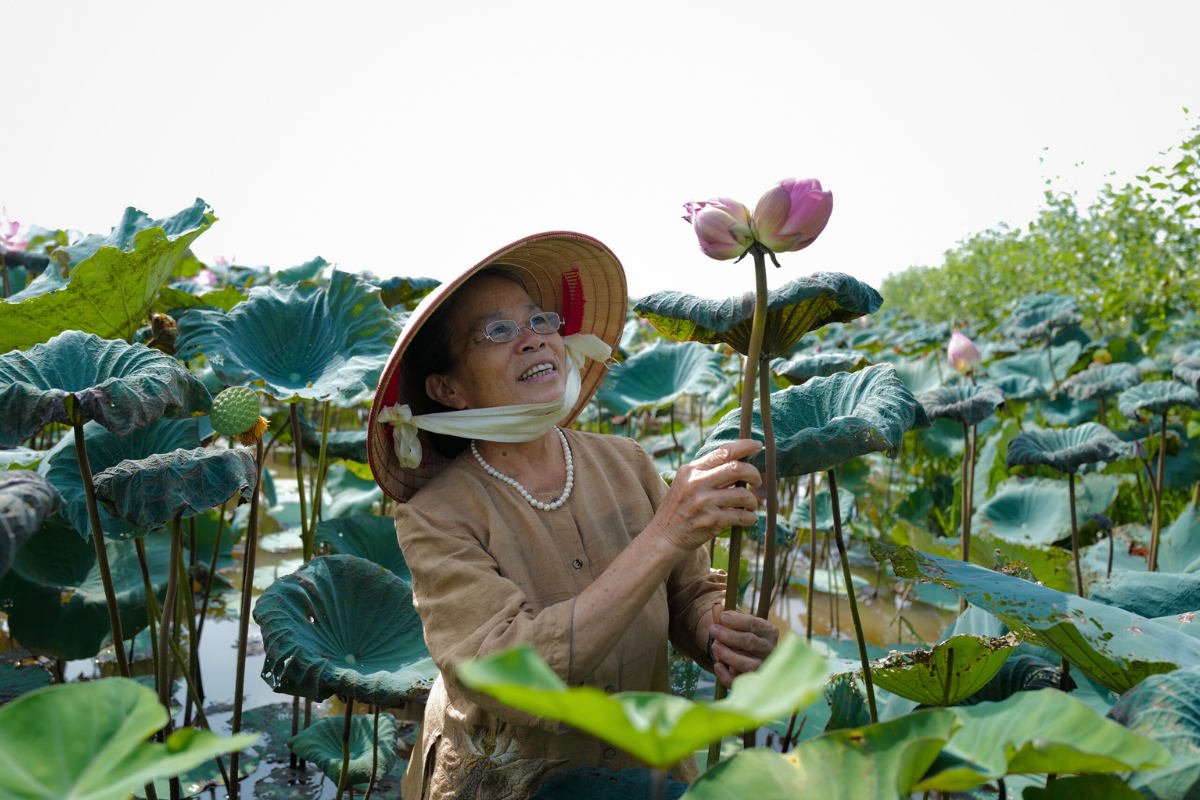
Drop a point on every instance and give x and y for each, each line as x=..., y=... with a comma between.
x=487, y=373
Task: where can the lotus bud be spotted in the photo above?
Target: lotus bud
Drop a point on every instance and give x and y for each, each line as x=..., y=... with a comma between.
x=722, y=225
x=10, y=242
x=236, y=412
x=1103, y=523
x=964, y=355
x=791, y=215
x=1140, y=451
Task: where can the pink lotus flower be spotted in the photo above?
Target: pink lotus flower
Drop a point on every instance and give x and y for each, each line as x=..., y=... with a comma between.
x=223, y=261
x=791, y=215
x=964, y=355
x=206, y=277
x=723, y=227
x=10, y=242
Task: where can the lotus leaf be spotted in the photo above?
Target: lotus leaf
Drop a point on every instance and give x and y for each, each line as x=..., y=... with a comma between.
x=150, y=492
x=406, y=292
x=943, y=439
x=793, y=310
x=20, y=458
x=1036, y=511
x=351, y=494
x=847, y=708
x=26, y=500
x=1113, y=646
x=802, y=517
x=308, y=271
x=595, y=783
x=1066, y=450
x=1188, y=373
x=828, y=421
x=122, y=387
x=785, y=534
x=877, y=762
x=16, y=680
x=922, y=375
x=1101, y=380
x=1083, y=787
x=321, y=744
x=830, y=581
x=1166, y=708
x=111, y=288
x=88, y=740
x=1185, y=352
x=1035, y=364
x=946, y=675
x=1150, y=594
x=964, y=403
x=800, y=368
x=105, y=450
x=1019, y=673
x=366, y=536
x=1156, y=397
x=659, y=376
x=351, y=444
x=175, y=298
x=1019, y=387
x=48, y=282
x=298, y=342
x=659, y=729
x=1066, y=410
x=1040, y=321
x=1181, y=543
x=919, y=338
x=343, y=625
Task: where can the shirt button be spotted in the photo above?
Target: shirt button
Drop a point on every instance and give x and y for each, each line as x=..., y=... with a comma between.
x=610, y=753
x=610, y=689
x=577, y=564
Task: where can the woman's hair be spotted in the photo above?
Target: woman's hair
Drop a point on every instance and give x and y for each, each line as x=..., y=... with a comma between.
x=430, y=354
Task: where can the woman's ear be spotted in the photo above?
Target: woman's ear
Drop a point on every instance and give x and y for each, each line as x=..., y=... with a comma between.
x=440, y=389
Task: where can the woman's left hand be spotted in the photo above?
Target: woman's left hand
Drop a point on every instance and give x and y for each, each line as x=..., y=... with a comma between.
x=741, y=642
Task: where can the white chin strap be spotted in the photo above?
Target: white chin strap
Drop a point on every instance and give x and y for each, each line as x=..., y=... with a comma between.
x=520, y=423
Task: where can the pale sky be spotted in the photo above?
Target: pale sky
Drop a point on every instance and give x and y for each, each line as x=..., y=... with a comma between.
x=416, y=138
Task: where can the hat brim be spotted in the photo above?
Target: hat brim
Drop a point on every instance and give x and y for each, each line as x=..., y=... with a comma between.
x=570, y=273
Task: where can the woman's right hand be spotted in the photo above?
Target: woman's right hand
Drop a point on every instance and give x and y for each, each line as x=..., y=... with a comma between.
x=703, y=498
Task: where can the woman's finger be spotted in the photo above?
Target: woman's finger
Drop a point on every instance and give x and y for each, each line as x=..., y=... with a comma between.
x=735, y=659
x=736, y=498
x=728, y=473
x=733, y=451
x=723, y=674
x=745, y=641
x=751, y=624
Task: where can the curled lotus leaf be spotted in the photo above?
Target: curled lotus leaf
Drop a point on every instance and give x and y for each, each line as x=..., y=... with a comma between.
x=799, y=368
x=1036, y=364
x=1114, y=647
x=802, y=517
x=965, y=403
x=1150, y=594
x=828, y=421
x=346, y=626
x=321, y=743
x=1067, y=449
x=149, y=492
x=1188, y=373
x=1180, y=550
x=1067, y=411
x=351, y=444
x=1016, y=386
x=659, y=376
x=1185, y=352
x=405, y=292
x=1036, y=511
x=946, y=675
x=308, y=271
x=299, y=341
x=1156, y=397
x=923, y=374
x=367, y=536
x=1166, y=708
x=1021, y=672
x=793, y=310
x=26, y=500
x=79, y=376
x=1038, y=322
x=1101, y=380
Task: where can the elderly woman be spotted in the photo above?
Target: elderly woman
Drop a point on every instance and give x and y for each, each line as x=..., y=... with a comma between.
x=518, y=530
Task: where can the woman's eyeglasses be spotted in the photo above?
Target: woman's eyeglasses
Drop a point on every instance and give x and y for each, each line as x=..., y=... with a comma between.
x=506, y=330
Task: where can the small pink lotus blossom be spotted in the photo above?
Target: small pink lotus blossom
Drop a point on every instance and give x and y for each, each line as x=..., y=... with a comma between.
x=206, y=277
x=224, y=261
x=722, y=225
x=10, y=242
x=791, y=215
x=1140, y=451
x=964, y=355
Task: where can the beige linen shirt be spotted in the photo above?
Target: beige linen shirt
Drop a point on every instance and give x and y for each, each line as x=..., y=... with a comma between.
x=491, y=572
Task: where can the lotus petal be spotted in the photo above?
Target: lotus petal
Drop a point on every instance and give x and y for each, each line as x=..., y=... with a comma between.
x=1066, y=450
x=1036, y=364
x=800, y=368
x=1166, y=708
x=1155, y=397
x=322, y=745
x=1036, y=511
x=659, y=376
x=1101, y=381
x=26, y=500
x=344, y=625
x=1188, y=373
x=299, y=341
x=794, y=309
x=964, y=403
x=1016, y=386
x=366, y=536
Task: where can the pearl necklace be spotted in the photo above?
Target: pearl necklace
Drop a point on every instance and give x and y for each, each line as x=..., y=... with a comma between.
x=495, y=473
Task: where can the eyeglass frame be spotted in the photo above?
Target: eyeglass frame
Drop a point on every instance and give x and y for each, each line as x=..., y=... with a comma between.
x=550, y=315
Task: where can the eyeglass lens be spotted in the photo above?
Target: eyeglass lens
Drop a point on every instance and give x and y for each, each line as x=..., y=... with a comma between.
x=505, y=330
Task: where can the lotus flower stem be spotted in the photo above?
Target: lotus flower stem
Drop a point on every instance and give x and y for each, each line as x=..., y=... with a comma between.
x=168, y=613
x=151, y=602
x=212, y=573
x=858, y=630
x=244, y=622
x=772, y=483
x=812, y=553
x=294, y=416
x=1103, y=412
x=971, y=472
x=1108, y=571
x=320, y=481
x=110, y=594
x=658, y=783
x=1142, y=496
x=966, y=514
x=1074, y=534
x=374, y=756
x=344, y=778
x=1158, y=490
x=677, y=454
x=949, y=677
x=187, y=603
x=1050, y=359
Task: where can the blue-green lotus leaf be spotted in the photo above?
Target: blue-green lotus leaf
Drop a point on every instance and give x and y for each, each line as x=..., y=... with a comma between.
x=802, y=516
x=344, y=625
x=793, y=310
x=16, y=680
x=1188, y=373
x=1180, y=544
x=299, y=341
x=321, y=744
x=1166, y=708
x=1066, y=449
x=1040, y=321
x=1037, y=511
x=944, y=439
x=123, y=387
x=366, y=536
x=123, y=236
x=951, y=672
x=1066, y=410
x=920, y=338
x=20, y=458
x=924, y=374
x=1183, y=465
x=404, y=292
x=1101, y=380
x=785, y=533
x=1036, y=364
x=308, y=271
x=1016, y=386
x=1185, y=352
x=596, y=783
x=1112, y=646
x=964, y=403
x=149, y=492
x=828, y=421
x=803, y=366
x=1155, y=397
x=26, y=500
x=48, y=282
x=1150, y=594
x=659, y=376
x=1020, y=673
x=105, y=450
x=351, y=444
x=350, y=493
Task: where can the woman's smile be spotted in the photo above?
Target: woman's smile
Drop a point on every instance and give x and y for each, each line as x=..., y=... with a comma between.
x=539, y=373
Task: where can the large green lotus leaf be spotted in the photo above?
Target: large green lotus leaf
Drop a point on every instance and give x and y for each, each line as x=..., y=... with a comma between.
x=16, y=680
x=1155, y=397
x=49, y=281
x=1036, y=364
x=1166, y=708
x=351, y=444
x=1041, y=732
x=321, y=744
x=659, y=376
x=785, y=534
x=1113, y=646
x=19, y=458
x=1036, y=510
x=299, y=341
x=919, y=339
x=878, y=762
x=1185, y=352
x=802, y=516
x=944, y=439
x=54, y=596
x=405, y=292
x=149, y=492
x=596, y=783
x=344, y=625
x=1150, y=594
x=1040, y=321
x=134, y=221
x=174, y=298
x=658, y=728
x=308, y=271
x=1016, y=386
x=366, y=536
x=946, y=675
x=793, y=310
x=1065, y=410
x=828, y=421
x=109, y=292
x=1101, y=380
x=1188, y=373
x=1019, y=673
x=1180, y=543
x=122, y=387
x=964, y=403
x=1066, y=450
x=105, y=450
x=351, y=493
x=801, y=367
x=922, y=375
x=87, y=741
x=1083, y=787
x=26, y=500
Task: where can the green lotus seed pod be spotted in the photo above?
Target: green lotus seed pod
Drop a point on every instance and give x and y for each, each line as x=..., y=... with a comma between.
x=235, y=410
